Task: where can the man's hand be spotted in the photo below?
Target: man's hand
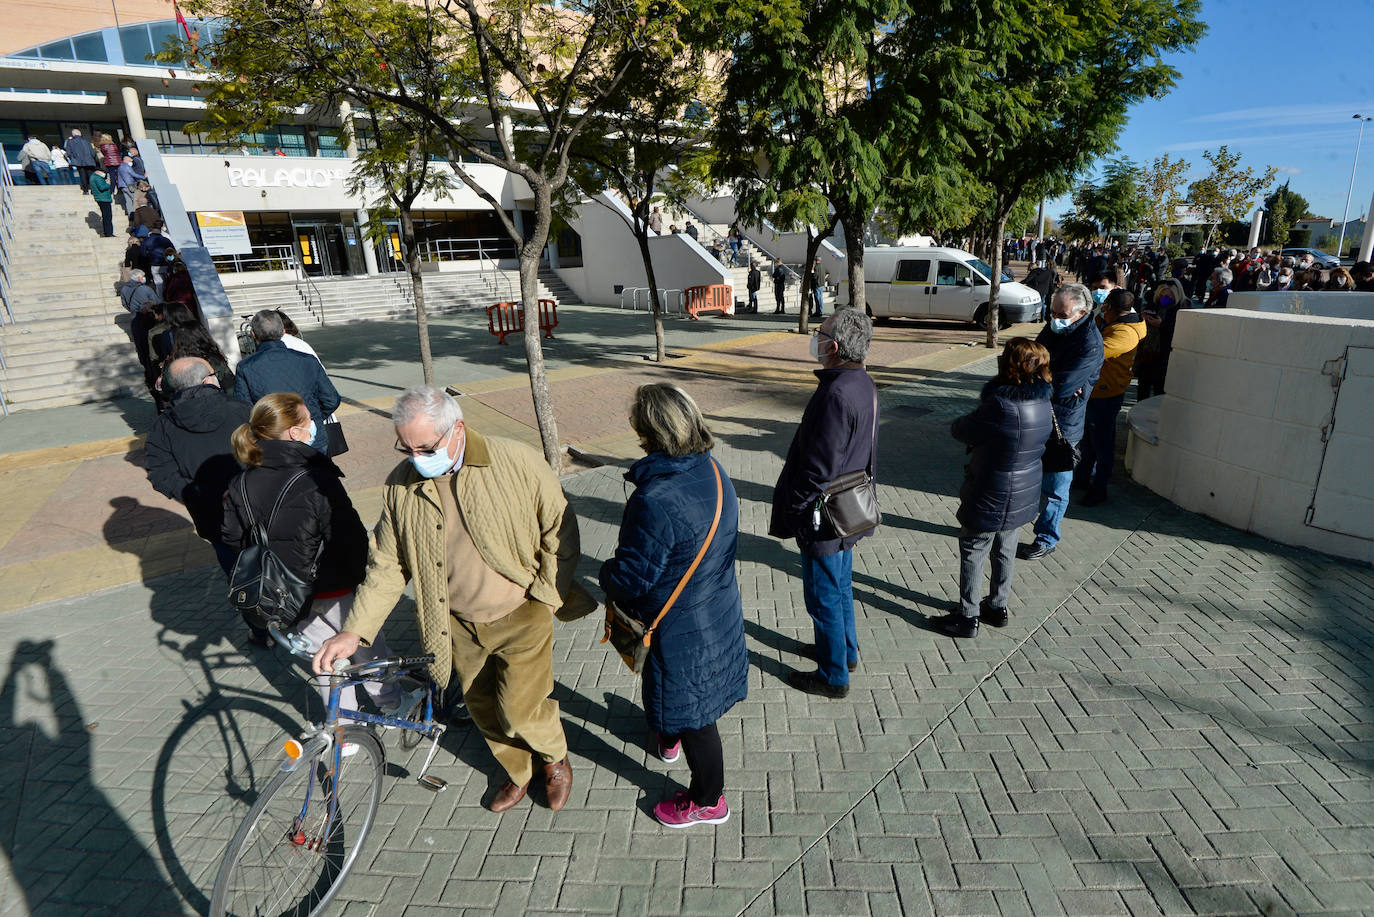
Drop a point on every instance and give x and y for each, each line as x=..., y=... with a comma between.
x=340, y=646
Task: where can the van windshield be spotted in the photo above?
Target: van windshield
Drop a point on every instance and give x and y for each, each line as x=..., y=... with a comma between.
x=985, y=269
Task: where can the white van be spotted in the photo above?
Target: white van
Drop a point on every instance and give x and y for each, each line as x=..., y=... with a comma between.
x=944, y=283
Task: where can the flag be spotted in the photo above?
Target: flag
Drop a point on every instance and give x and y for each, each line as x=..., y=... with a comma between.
x=181, y=20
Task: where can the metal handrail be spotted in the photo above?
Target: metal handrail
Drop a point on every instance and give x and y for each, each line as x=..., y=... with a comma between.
x=273, y=258
x=6, y=237
x=495, y=273
x=310, y=294
x=454, y=249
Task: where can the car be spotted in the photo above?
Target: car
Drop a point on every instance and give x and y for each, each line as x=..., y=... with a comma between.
x=910, y=281
x=1323, y=259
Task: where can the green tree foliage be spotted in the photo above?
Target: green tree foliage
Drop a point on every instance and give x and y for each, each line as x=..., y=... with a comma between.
x=1226, y=194
x=1115, y=203
x=1078, y=228
x=1161, y=192
x=507, y=83
x=1285, y=207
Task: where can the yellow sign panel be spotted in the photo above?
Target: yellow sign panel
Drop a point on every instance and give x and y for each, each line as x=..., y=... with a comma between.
x=220, y=218
x=224, y=232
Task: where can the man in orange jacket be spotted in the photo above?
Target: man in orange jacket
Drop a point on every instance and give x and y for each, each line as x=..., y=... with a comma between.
x=1122, y=331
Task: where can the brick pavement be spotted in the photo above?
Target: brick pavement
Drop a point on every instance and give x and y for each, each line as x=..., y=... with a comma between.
x=1177, y=720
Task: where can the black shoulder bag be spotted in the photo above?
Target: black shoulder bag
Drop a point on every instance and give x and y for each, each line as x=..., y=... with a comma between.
x=1060, y=454
x=849, y=505
x=261, y=587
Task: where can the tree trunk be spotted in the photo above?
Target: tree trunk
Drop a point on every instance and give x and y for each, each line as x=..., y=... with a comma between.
x=995, y=281
x=854, y=259
x=660, y=344
x=417, y=284
x=813, y=245
x=530, y=252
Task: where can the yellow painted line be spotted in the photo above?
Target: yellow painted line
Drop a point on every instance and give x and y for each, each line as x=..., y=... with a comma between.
x=76, y=452
x=23, y=491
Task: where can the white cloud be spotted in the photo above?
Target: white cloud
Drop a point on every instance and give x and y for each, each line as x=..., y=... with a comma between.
x=1289, y=170
x=1289, y=115
x=1262, y=140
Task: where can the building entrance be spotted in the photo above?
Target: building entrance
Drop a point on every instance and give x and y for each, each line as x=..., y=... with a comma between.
x=320, y=247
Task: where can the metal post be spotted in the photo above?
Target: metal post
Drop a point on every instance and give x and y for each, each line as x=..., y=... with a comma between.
x=1345, y=214
x=1367, y=243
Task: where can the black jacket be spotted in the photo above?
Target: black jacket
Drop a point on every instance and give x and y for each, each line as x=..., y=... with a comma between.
x=835, y=437
x=315, y=510
x=755, y=280
x=1076, y=361
x=189, y=457
x=79, y=152
x=275, y=368
x=1006, y=436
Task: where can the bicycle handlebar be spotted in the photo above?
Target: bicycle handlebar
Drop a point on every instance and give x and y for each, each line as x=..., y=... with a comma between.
x=297, y=645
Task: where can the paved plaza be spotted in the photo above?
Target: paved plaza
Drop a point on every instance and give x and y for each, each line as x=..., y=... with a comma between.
x=1178, y=719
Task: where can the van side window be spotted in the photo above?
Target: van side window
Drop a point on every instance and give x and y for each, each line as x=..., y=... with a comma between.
x=913, y=271
x=951, y=272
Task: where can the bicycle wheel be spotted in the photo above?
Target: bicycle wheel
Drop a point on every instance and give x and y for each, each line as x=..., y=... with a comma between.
x=280, y=863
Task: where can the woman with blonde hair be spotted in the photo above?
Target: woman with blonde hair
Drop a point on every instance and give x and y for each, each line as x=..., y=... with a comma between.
x=697, y=667
x=316, y=531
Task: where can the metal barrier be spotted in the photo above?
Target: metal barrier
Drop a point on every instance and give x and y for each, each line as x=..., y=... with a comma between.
x=466, y=249
x=263, y=258
x=678, y=298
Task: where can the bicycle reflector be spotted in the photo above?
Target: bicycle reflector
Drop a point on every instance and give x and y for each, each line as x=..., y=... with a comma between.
x=292, y=748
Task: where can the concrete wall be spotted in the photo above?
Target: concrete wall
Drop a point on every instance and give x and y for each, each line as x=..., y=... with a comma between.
x=789, y=246
x=611, y=257
x=1346, y=304
x=1241, y=430
x=37, y=22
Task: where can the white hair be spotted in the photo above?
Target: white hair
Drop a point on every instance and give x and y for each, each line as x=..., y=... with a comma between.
x=428, y=401
x=137, y=274
x=1077, y=296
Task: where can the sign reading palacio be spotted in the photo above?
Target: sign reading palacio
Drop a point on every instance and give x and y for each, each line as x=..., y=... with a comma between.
x=284, y=177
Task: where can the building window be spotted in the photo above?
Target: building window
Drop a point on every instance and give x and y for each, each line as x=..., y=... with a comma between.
x=137, y=46
x=90, y=47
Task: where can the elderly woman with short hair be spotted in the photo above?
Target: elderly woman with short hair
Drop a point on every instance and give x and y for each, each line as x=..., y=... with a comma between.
x=697, y=667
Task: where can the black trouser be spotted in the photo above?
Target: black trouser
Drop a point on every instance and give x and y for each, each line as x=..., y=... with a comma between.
x=85, y=173
x=778, y=291
x=706, y=760
x=106, y=218
x=1148, y=388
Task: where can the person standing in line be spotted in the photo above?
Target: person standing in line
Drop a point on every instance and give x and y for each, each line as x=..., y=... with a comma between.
x=126, y=180
x=1152, y=356
x=697, y=667
x=819, y=275
x=753, y=284
x=692, y=231
x=483, y=530
x=82, y=158
x=35, y=156
x=103, y=195
x=110, y=153
x=315, y=531
x=1219, y=288
x=779, y=286
x=273, y=367
x=61, y=170
x=1122, y=331
x=837, y=435
x=1075, y=348
x=1006, y=436
x=656, y=222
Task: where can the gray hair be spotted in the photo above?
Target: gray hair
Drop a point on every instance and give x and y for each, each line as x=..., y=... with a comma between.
x=137, y=274
x=1077, y=295
x=266, y=325
x=1223, y=274
x=187, y=372
x=852, y=332
x=666, y=419
x=427, y=401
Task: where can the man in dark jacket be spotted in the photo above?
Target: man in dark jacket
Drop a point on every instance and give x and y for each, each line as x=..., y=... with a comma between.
x=837, y=435
x=1075, y=347
x=81, y=155
x=755, y=281
x=189, y=456
x=275, y=368
x=779, y=286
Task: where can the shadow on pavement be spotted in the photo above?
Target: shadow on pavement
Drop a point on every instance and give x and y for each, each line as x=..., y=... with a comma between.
x=68, y=847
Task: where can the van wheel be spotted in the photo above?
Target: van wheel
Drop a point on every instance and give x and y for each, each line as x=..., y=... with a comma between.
x=877, y=320
x=980, y=318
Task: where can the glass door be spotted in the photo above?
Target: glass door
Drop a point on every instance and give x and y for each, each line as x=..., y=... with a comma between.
x=321, y=247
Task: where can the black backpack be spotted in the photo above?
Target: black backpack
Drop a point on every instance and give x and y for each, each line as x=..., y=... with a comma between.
x=261, y=587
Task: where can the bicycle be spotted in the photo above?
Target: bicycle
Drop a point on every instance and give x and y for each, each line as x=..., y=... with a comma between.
x=301, y=837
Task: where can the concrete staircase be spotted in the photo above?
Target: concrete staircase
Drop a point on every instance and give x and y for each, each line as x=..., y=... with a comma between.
x=69, y=342
x=338, y=300
x=549, y=280
x=709, y=232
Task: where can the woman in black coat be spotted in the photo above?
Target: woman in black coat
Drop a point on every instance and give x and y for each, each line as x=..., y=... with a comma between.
x=697, y=667
x=1006, y=436
x=316, y=531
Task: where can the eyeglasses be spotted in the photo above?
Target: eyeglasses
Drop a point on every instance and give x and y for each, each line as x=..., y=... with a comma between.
x=404, y=450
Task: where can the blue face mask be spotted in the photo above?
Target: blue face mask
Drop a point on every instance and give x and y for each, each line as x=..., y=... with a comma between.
x=1060, y=325
x=1166, y=301
x=313, y=431
x=431, y=466
x=1100, y=296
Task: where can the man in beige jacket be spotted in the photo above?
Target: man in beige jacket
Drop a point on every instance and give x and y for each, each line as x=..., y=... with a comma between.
x=482, y=527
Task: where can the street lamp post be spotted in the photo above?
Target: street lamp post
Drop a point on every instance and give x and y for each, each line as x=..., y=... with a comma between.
x=1353, y=166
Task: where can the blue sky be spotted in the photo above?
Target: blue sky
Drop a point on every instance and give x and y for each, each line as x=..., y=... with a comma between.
x=1277, y=82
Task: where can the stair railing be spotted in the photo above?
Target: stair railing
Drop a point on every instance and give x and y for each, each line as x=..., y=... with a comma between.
x=310, y=294
x=6, y=238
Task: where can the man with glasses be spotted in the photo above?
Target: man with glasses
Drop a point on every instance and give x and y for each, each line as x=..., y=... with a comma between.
x=189, y=456
x=483, y=529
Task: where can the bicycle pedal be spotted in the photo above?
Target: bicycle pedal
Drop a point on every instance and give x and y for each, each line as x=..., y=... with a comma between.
x=435, y=784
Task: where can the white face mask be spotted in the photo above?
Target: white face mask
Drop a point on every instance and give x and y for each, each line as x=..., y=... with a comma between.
x=815, y=347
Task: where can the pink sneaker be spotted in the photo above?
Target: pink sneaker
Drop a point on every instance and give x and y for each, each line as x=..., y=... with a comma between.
x=681, y=812
x=667, y=753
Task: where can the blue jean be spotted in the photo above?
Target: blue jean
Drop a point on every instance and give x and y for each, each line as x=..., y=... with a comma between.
x=42, y=172
x=828, y=590
x=818, y=300
x=1099, y=442
x=1054, y=486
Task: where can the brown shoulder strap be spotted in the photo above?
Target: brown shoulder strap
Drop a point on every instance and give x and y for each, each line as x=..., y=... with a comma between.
x=720, y=499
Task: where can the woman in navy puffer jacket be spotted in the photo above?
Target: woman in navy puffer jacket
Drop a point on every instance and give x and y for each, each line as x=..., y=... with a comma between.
x=1006, y=438
x=697, y=667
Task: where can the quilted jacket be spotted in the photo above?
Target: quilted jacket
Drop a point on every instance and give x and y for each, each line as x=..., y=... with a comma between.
x=518, y=518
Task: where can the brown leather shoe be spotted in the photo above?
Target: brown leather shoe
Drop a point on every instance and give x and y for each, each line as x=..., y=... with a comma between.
x=558, y=783
x=507, y=796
